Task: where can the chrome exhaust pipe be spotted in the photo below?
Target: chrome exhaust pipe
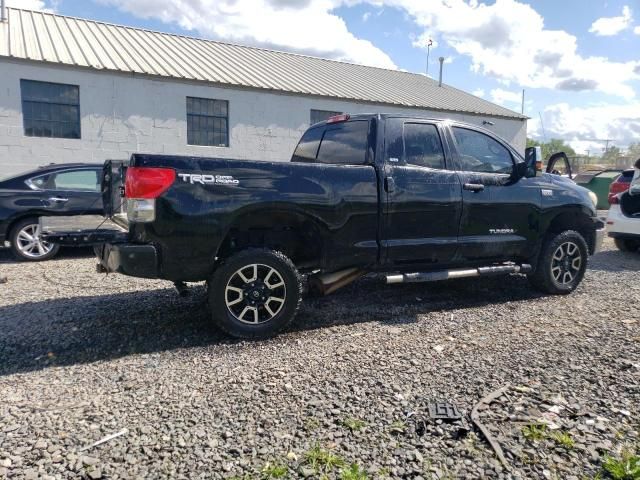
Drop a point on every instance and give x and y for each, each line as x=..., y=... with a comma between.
x=327, y=283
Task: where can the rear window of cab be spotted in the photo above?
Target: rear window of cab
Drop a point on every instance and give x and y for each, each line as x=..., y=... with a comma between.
x=342, y=143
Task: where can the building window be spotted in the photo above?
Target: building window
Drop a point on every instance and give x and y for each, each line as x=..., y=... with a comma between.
x=50, y=109
x=322, y=115
x=207, y=122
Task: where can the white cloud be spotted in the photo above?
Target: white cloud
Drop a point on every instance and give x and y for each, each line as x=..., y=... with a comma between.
x=608, y=26
x=508, y=41
x=478, y=92
x=506, y=97
x=305, y=26
x=585, y=127
x=637, y=30
x=365, y=16
x=29, y=5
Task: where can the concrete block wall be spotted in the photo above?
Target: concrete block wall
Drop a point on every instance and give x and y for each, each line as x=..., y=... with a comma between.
x=122, y=114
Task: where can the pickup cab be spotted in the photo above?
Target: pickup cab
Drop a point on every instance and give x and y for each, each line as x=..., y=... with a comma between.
x=416, y=199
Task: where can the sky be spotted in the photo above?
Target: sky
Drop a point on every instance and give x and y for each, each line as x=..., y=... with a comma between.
x=578, y=61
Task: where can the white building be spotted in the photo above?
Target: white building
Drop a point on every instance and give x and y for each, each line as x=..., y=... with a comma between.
x=75, y=90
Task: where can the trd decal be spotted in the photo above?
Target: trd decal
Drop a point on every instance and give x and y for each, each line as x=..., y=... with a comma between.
x=206, y=179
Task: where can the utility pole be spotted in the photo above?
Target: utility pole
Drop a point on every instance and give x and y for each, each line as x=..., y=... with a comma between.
x=429, y=43
x=544, y=135
x=522, y=109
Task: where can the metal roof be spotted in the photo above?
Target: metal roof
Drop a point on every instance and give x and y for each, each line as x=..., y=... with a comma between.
x=46, y=37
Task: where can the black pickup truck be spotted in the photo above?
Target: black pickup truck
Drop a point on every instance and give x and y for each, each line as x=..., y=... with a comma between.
x=416, y=198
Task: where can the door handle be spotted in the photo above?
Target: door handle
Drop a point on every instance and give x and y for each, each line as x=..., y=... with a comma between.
x=57, y=200
x=474, y=187
x=389, y=184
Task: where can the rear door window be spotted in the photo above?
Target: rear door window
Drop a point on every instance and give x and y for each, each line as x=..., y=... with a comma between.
x=344, y=143
x=75, y=180
x=422, y=146
x=307, y=148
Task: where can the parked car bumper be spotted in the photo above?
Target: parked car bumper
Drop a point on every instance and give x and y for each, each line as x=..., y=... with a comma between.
x=129, y=259
x=618, y=223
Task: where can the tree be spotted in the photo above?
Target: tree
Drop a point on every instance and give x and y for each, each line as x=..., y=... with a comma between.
x=552, y=146
x=634, y=150
x=611, y=155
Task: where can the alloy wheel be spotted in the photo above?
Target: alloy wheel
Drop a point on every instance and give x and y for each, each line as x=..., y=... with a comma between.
x=30, y=244
x=255, y=293
x=566, y=263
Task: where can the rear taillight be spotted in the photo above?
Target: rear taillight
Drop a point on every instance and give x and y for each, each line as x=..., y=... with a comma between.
x=141, y=188
x=148, y=182
x=614, y=199
x=618, y=187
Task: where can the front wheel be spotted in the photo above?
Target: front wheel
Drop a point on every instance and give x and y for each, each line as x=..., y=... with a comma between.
x=626, y=245
x=562, y=263
x=26, y=243
x=255, y=293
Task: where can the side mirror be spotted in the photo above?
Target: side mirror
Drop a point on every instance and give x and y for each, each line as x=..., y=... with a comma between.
x=533, y=161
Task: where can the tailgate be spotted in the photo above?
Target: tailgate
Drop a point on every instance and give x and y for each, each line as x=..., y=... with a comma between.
x=115, y=207
x=81, y=230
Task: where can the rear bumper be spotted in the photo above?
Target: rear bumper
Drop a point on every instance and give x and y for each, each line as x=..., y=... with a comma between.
x=129, y=259
x=619, y=223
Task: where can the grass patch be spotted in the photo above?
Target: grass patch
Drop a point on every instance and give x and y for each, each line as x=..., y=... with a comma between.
x=322, y=460
x=354, y=472
x=564, y=439
x=534, y=432
x=311, y=424
x=398, y=427
x=354, y=424
x=627, y=467
x=274, y=470
x=384, y=472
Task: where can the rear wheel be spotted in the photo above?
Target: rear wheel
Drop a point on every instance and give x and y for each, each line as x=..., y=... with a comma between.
x=255, y=293
x=626, y=245
x=26, y=243
x=562, y=263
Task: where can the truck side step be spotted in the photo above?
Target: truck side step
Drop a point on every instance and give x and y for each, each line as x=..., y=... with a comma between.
x=458, y=273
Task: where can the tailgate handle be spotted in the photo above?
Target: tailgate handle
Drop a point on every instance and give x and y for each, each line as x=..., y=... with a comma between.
x=474, y=187
x=58, y=199
x=389, y=184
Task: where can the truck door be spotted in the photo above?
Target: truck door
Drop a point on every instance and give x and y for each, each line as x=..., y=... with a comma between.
x=499, y=218
x=423, y=199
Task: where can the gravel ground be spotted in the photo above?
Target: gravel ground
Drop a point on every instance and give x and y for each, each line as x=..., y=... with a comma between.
x=83, y=356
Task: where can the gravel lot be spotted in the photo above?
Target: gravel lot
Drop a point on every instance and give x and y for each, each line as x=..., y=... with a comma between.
x=83, y=356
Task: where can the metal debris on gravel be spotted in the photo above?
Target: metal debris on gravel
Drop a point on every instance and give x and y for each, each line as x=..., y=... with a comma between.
x=83, y=356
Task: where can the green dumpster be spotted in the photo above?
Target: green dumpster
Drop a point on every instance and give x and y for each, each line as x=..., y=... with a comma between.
x=598, y=183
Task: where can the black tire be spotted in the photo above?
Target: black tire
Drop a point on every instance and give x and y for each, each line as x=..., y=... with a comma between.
x=235, y=313
x=16, y=239
x=626, y=245
x=561, y=276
